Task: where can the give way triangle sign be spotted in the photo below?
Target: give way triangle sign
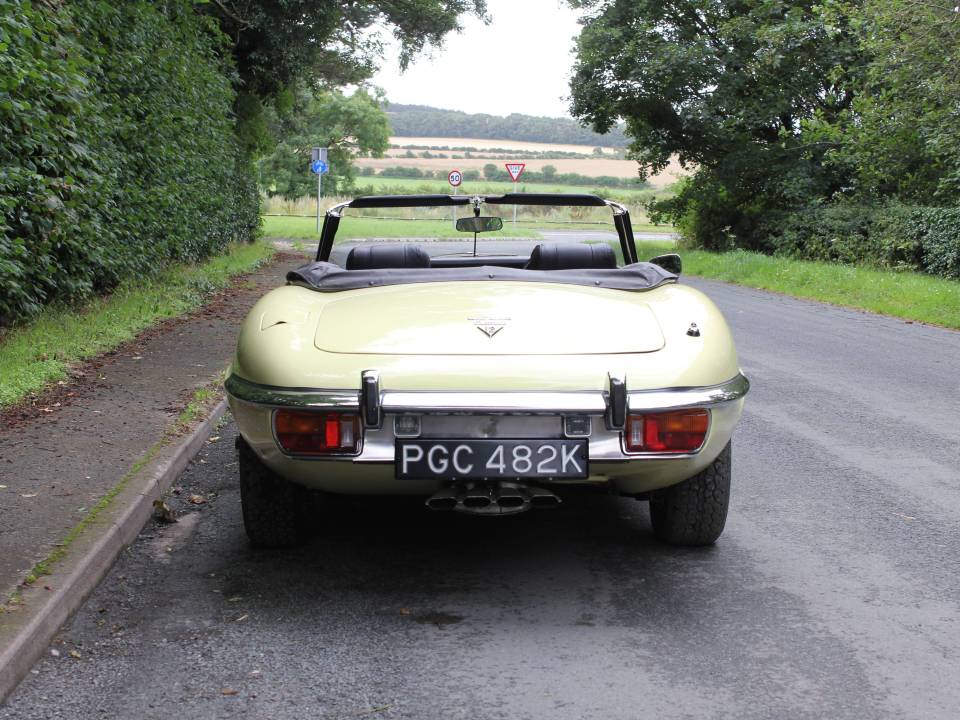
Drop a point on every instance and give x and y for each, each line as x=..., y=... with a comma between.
x=515, y=170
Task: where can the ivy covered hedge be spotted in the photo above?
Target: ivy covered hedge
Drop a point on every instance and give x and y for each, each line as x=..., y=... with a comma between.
x=118, y=152
x=889, y=235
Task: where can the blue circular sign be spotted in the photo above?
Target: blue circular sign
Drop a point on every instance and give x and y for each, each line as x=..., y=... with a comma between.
x=319, y=167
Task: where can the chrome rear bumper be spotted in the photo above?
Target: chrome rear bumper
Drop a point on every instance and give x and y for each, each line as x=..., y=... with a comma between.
x=586, y=402
x=471, y=413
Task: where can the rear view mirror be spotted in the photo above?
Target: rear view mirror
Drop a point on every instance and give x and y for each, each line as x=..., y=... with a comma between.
x=669, y=262
x=479, y=224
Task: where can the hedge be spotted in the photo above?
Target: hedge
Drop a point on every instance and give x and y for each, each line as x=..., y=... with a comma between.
x=118, y=153
x=892, y=234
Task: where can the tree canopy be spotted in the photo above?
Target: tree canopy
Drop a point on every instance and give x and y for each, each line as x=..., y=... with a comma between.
x=730, y=88
x=349, y=126
x=793, y=115
x=279, y=42
x=424, y=121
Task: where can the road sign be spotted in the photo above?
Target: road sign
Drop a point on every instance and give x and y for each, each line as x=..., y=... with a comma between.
x=319, y=167
x=318, y=153
x=455, y=177
x=515, y=170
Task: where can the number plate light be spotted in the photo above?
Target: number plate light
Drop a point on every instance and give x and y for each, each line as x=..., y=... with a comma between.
x=406, y=426
x=576, y=426
x=681, y=431
x=307, y=432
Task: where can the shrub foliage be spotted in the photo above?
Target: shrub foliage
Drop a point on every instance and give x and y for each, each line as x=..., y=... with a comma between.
x=118, y=151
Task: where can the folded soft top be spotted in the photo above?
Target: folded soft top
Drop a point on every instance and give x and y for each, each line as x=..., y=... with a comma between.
x=327, y=277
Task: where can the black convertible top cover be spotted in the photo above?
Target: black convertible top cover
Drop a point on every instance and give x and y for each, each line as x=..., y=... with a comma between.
x=327, y=277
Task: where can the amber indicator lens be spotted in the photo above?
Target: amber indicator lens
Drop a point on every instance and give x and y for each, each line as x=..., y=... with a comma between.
x=681, y=431
x=304, y=432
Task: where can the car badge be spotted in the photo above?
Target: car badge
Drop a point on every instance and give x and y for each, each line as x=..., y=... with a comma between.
x=489, y=326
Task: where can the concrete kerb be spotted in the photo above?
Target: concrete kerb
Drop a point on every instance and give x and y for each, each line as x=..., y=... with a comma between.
x=26, y=634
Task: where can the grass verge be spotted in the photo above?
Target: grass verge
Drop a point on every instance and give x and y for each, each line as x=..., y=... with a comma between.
x=352, y=228
x=901, y=294
x=41, y=352
x=368, y=227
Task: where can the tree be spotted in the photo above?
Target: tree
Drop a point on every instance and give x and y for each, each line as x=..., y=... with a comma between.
x=350, y=126
x=280, y=45
x=279, y=42
x=906, y=138
x=731, y=90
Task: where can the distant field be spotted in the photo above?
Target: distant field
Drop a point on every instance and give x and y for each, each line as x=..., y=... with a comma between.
x=406, y=185
x=478, y=144
x=593, y=167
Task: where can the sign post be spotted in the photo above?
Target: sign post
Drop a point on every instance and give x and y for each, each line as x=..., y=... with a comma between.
x=515, y=170
x=318, y=165
x=455, y=177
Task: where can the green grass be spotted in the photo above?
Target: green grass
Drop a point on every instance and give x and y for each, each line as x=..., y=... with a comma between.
x=295, y=226
x=367, y=227
x=42, y=351
x=901, y=294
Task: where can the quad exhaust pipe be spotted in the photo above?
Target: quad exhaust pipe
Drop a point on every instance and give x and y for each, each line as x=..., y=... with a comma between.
x=500, y=498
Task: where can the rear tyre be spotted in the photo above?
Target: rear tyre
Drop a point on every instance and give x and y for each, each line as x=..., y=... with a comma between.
x=694, y=512
x=274, y=509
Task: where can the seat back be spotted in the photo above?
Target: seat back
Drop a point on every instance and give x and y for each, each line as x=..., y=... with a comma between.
x=374, y=256
x=572, y=256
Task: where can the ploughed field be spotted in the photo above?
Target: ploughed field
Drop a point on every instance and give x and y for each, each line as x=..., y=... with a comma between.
x=834, y=591
x=485, y=153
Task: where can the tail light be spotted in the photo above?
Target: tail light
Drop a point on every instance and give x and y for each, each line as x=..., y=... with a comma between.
x=306, y=432
x=682, y=431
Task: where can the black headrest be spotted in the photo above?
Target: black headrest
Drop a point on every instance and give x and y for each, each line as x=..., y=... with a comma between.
x=572, y=256
x=397, y=255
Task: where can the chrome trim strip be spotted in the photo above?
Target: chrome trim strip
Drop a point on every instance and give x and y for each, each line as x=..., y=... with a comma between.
x=617, y=208
x=590, y=402
x=532, y=403
x=291, y=397
x=337, y=210
x=695, y=397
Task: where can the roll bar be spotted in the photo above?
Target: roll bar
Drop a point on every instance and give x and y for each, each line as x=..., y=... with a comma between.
x=621, y=217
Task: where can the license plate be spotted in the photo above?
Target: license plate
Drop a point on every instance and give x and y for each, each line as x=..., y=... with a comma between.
x=474, y=459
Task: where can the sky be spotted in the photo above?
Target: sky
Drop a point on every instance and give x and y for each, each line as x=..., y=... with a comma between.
x=528, y=46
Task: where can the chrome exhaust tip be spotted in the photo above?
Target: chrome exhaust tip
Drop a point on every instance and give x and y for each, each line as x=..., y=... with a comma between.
x=477, y=498
x=445, y=499
x=543, y=498
x=502, y=498
x=512, y=497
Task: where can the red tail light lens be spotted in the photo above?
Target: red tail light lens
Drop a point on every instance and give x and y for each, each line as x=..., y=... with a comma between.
x=682, y=431
x=306, y=432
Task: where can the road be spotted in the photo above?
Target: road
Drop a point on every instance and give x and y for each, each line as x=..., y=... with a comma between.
x=833, y=593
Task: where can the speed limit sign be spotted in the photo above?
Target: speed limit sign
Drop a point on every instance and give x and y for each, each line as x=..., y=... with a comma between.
x=455, y=178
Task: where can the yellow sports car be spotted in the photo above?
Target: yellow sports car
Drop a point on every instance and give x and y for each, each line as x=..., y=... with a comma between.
x=487, y=384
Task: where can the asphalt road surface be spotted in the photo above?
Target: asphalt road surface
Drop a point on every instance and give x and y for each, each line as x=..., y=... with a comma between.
x=833, y=593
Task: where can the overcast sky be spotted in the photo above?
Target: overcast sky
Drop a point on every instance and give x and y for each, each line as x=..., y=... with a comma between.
x=521, y=63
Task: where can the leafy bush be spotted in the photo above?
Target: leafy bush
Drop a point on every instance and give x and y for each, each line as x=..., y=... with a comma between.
x=889, y=235
x=118, y=152
x=940, y=241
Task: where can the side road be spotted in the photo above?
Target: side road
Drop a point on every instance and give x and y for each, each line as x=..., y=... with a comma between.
x=57, y=465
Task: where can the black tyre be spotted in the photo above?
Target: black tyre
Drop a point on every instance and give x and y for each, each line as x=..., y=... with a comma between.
x=274, y=509
x=694, y=512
